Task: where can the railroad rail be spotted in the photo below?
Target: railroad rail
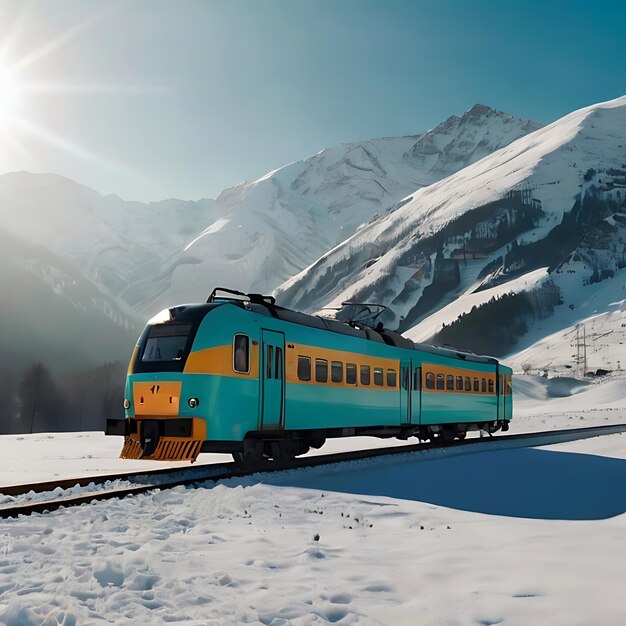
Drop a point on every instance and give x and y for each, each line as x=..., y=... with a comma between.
x=165, y=478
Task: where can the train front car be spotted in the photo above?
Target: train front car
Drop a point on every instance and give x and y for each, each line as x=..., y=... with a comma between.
x=188, y=366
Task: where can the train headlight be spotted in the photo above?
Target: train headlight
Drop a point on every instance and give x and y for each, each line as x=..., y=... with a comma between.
x=193, y=402
x=126, y=403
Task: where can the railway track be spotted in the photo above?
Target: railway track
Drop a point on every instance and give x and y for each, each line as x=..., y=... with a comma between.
x=137, y=483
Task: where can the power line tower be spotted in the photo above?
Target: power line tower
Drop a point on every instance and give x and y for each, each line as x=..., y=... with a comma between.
x=581, y=349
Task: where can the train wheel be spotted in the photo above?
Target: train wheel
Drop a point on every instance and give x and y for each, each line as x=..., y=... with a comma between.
x=251, y=454
x=284, y=450
x=447, y=435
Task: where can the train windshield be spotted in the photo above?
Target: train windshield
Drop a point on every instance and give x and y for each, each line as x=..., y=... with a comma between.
x=166, y=343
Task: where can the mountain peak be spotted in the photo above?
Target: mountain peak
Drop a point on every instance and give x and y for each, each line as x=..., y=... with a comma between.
x=478, y=110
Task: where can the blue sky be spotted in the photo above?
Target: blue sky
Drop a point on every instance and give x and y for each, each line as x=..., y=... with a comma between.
x=152, y=99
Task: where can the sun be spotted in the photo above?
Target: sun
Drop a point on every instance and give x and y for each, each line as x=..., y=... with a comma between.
x=24, y=93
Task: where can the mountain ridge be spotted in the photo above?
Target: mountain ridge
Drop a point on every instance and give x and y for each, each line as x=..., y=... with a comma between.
x=409, y=257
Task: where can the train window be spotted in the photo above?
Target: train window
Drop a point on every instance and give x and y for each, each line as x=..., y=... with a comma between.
x=459, y=383
x=483, y=385
x=304, y=368
x=476, y=384
x=378, y=376
x=416, y=379
x=351, y=373
x=279, y=364
x=440, y=381
x=391, y=378
x=491, y=385
x=241, y=354
x=336, y=371
x=430, y=380
x=468, y=383
x=450, y=383
x=166, y=342
x=321, y=370
x=509, y=385
x=365, y=374
x=269, y=357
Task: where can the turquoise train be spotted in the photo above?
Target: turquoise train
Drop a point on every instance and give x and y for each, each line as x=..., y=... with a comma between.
x=241, y=375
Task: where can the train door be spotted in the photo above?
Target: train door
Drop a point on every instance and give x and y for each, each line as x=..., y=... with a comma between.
x=501, y=387
x=416, y=395
x=273, y=379
x=405, y=392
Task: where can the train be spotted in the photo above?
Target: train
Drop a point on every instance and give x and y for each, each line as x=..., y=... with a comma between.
x=239, y=374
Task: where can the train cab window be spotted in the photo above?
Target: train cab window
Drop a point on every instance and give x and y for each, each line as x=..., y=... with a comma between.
x=440, y=382
x=391, y=378
x=278, y=371
x=241, y=354
x=450, y=383
x=491, y=385
x=476, y=384
x=166, y=342
x=365, y=374
x=430, y=380
x=468, y=383
x=351, y=373
x=304, y=368
x=483, y=385
x=336, y=371
x=269, y=358
x=459, y=383
x=416, y=379
x=378, y=376
x=321, y=370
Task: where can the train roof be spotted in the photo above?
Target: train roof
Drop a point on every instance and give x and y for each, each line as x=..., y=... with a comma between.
x=266, y=306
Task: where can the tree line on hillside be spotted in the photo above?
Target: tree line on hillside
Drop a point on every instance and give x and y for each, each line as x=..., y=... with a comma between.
x=37, y=402
x=491, y=328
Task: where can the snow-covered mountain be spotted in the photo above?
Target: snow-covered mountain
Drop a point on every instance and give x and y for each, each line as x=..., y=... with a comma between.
x=270, y=229
x=143, y=257
x=49, y=312
x=555, y=199
x=76, y=266
x=121, y=247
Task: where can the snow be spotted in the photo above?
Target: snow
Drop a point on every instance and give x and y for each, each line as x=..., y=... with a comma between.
x=112, y=243
x=448, y=314
x=255, y=235
x=592, y=322
x=551, y=162
x=286, y=219
x=526, y=536
x=515, y=536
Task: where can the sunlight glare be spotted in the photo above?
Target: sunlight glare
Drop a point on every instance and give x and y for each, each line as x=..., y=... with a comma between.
x=10, y=98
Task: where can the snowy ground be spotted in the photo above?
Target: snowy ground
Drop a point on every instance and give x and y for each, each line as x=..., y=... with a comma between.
x=524, y=536
x=527, y=536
